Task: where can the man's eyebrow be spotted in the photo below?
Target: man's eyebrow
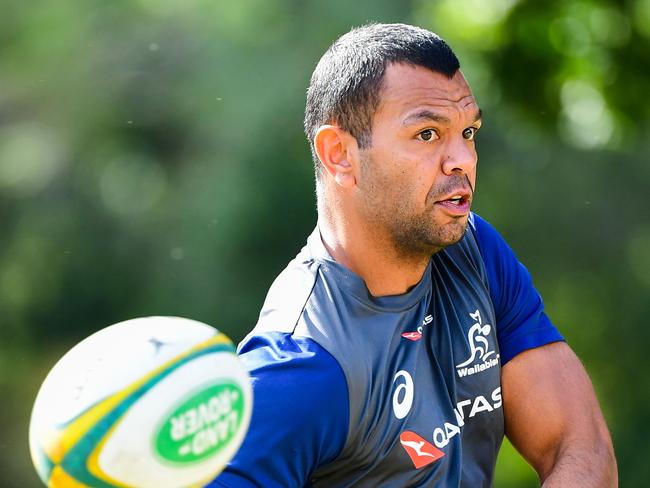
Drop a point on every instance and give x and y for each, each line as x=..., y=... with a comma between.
x=426, y=114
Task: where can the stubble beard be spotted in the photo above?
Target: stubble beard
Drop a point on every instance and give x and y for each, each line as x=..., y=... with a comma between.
x=419, y=237
x=413, y=235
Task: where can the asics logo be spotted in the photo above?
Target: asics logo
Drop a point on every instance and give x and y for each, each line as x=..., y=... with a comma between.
x=403, y=394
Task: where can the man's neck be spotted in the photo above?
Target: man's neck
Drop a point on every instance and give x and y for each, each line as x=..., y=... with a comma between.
x=371, y=256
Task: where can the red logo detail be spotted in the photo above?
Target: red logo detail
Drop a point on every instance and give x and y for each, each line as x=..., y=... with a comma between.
x=412, y=336
x=419, y=450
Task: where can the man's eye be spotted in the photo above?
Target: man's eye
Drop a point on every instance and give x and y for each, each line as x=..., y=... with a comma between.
x=469, y=133
x=427, y=135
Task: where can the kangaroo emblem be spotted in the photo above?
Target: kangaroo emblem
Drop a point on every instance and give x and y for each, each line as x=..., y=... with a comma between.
x=478, y=343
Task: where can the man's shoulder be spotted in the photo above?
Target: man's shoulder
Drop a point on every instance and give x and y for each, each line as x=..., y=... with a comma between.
x=495, y=251
x=482, y=245
x=288, y=295
x=487, y=237
x=295, y=384
x=308, y=299
x=294, y=372
x=295, y=356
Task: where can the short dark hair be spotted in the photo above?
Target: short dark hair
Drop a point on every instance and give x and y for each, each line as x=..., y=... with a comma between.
x=346, y=84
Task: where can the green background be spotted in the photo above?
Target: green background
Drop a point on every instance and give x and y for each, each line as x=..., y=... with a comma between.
x=152, y=162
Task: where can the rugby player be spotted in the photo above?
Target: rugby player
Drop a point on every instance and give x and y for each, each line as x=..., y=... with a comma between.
x=405, y=339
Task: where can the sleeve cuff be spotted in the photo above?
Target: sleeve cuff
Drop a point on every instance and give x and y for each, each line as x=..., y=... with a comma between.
x=528, y=339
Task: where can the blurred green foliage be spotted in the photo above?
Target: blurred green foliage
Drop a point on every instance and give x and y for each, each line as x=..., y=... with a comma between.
x=152, y=161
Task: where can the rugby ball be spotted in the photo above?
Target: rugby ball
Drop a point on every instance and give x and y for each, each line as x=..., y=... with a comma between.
x=151, y=402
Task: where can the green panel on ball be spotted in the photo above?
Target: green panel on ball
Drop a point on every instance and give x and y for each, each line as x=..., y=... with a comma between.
x=202, y=424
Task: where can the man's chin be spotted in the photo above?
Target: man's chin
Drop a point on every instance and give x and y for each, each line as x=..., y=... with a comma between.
x=425, y=238
x=452, y=233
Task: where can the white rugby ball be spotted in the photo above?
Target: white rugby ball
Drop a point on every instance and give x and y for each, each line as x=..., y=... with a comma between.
x=151, y=402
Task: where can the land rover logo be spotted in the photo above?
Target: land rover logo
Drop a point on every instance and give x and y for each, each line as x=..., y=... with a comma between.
x=202, y=425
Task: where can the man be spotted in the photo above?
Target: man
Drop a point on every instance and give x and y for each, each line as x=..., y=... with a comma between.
x=405, y=339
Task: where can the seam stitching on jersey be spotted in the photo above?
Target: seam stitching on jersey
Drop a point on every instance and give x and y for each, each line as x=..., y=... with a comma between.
x=482, y=269
x=311, y=291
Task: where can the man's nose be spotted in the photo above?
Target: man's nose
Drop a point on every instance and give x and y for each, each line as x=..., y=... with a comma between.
x=460, y=157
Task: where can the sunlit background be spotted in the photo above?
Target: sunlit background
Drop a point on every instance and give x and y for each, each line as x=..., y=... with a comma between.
x=152, y=161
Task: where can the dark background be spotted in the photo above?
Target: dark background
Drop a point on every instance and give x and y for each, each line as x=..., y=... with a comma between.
x=152, y=162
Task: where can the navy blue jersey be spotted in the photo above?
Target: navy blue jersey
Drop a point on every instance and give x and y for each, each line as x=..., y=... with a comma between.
x=355, y=390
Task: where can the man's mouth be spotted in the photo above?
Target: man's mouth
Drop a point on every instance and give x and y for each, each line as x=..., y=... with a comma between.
x=456, y=204
x=456, y=199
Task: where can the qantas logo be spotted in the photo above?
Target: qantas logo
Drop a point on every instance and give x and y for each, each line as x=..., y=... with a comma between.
x=416, y=335
x=412, y=336
x=481, y=357
x=466, y=410
x=420, y=451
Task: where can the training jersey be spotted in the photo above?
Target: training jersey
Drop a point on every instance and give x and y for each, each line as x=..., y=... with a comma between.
x=352, y=390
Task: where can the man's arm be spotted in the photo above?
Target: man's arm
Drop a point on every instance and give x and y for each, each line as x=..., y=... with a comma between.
x=553, y=419
x=551, y=412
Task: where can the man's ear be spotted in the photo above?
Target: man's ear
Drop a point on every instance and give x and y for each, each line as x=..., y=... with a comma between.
x=338, y=153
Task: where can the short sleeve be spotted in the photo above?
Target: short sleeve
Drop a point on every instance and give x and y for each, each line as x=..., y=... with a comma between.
x=520, y=319
x=300, y=413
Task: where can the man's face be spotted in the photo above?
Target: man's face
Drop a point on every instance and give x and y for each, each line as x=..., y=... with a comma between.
x=417, y=178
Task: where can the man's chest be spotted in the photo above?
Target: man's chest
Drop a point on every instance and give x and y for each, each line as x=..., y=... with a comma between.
x=431, y=404
x=445, y=401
